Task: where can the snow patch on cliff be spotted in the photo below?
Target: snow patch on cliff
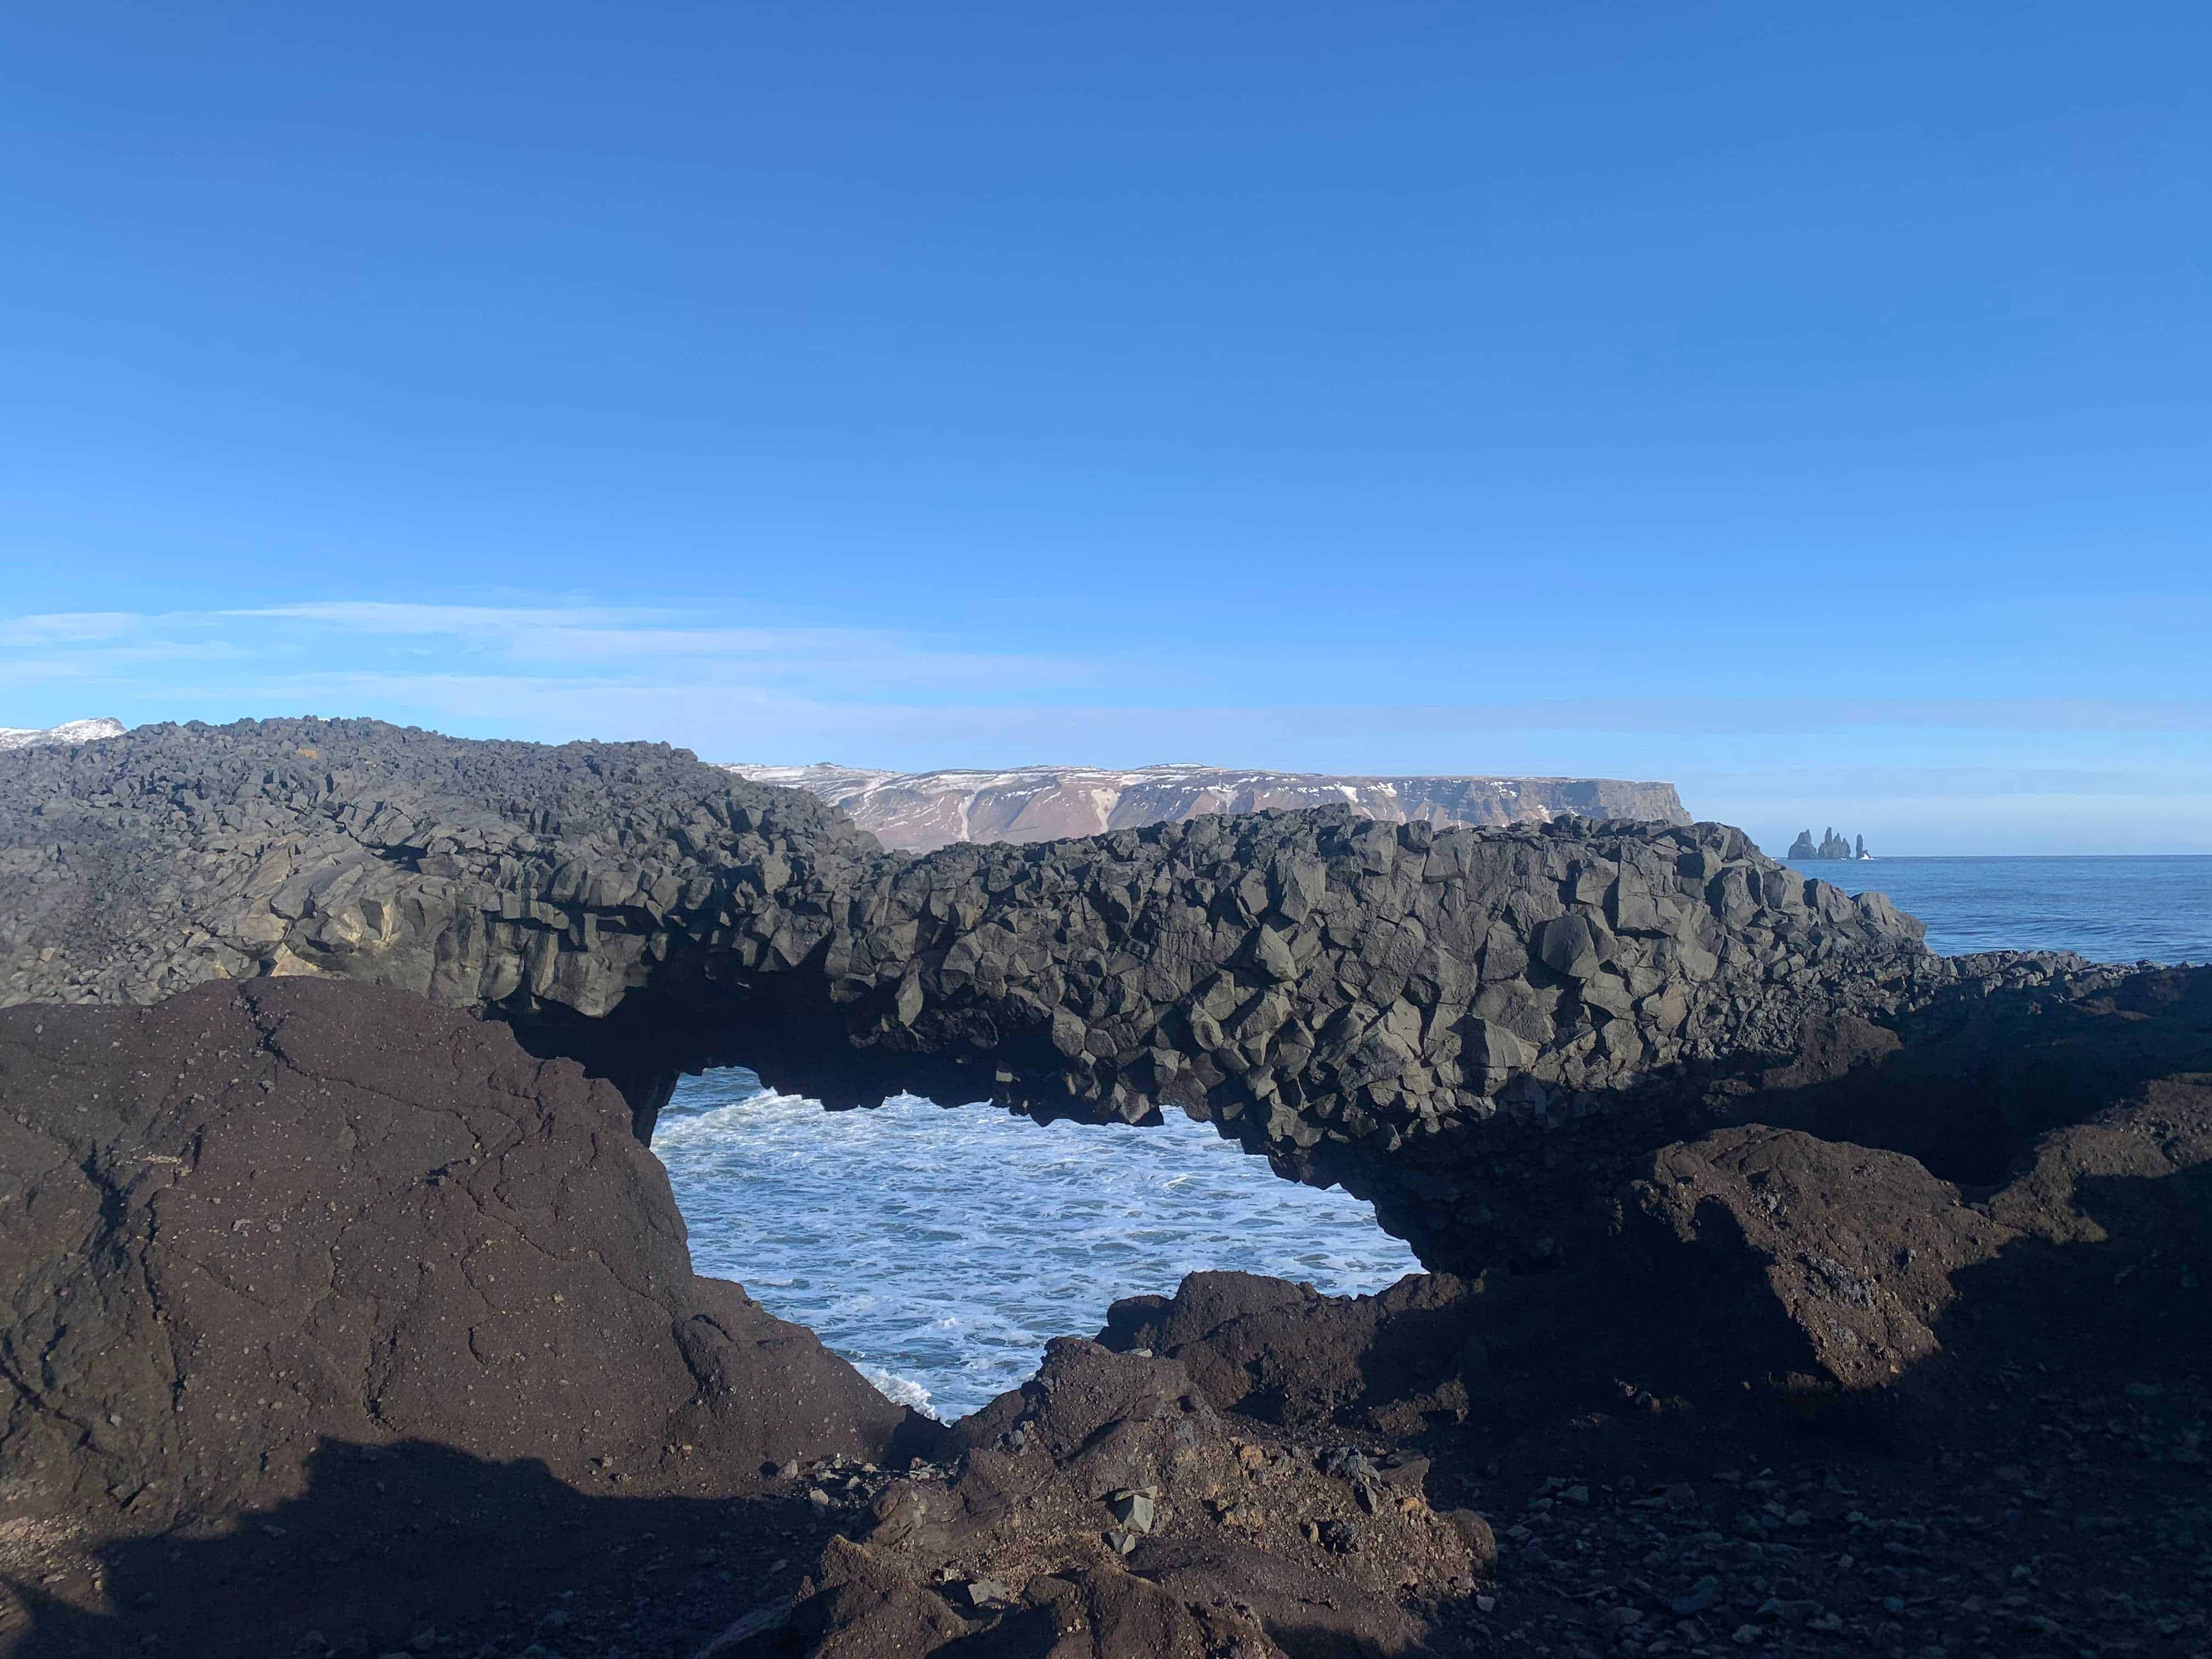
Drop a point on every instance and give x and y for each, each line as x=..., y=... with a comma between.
x=91, y=731
x=918, y=811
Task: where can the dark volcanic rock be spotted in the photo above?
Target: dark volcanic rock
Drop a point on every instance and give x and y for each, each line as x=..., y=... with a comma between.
x=261, y=1221
x=1805, y=1395
x=539, y=881
x=1764, y=1256
x=1362, y=1001
x=1107, y=1509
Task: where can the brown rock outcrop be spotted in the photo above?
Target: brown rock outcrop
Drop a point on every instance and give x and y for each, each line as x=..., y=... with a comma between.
x=260, y=1221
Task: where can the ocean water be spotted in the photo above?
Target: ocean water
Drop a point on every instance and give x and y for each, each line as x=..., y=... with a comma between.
x=938, y=1250
x=2110, y=909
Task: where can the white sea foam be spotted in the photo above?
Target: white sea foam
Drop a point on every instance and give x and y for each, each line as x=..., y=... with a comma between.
x=900, y=1391
x=938, y=1250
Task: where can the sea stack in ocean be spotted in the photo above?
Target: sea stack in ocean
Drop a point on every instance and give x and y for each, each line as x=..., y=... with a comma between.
x=1829, y=846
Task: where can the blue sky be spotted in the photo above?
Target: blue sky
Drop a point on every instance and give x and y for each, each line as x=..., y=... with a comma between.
x=1806, y=406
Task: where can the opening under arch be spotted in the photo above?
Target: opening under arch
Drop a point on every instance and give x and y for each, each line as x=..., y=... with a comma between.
x=938, y=1248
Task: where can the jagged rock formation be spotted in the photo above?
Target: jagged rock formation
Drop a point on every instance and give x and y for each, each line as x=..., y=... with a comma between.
x=1829, y=1237
x=1108, y=1507
x=260, y=1221
x=1335, y=991
x=92, y=730
x=1302, y=1455
x=920, y=811
x=1829, y=846
x=272, y=1248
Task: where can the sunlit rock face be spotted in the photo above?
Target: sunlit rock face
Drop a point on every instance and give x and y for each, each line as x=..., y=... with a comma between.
x=257, y=1218
x=920, y=811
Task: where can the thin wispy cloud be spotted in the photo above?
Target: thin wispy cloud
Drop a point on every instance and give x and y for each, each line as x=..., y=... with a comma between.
x=499, y=652
x=66, y=628
x=548, y=663
x=621, y=634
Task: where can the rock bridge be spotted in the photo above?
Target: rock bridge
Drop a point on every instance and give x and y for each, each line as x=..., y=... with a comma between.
x=1436, y=1018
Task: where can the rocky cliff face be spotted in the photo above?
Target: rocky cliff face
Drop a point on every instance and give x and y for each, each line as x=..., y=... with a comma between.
x=92, y=730
x=1345, y=994
x=918, y=811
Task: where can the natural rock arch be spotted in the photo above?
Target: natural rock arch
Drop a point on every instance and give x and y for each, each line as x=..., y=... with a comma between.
x=1385, y=1004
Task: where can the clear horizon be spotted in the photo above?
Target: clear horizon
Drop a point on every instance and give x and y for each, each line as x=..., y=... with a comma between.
x=1807, y=411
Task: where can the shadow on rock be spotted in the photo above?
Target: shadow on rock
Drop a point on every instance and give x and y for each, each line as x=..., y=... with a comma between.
x=1969, y=1084
x=2121, y=1289
x=388, y=1544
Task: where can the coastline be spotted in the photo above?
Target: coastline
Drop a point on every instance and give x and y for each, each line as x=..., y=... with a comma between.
x=1712, y=1169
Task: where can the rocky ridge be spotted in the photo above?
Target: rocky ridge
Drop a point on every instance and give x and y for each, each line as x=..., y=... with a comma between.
x=920, y=811
x=479, y=874
x=1362, y=1001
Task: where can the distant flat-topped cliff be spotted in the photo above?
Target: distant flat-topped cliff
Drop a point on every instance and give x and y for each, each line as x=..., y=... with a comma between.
x=922, y=810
